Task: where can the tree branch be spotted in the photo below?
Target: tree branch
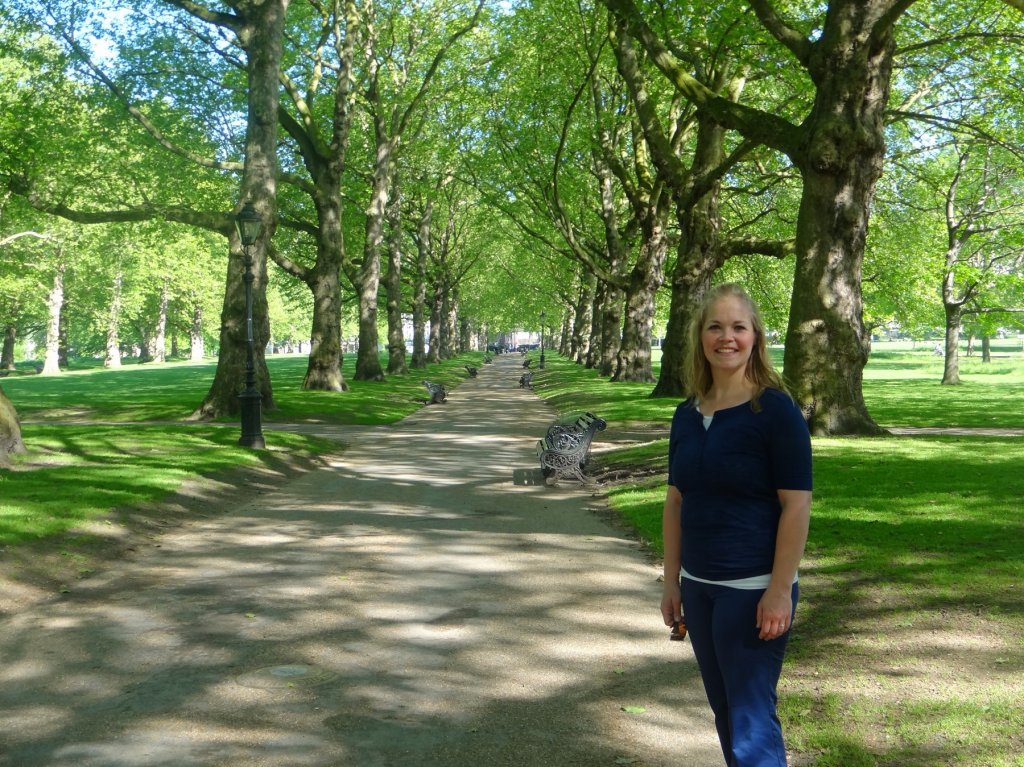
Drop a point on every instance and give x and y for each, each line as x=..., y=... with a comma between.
x=764, y=127
x=749, y=246
x=11, y=238
x=797, y=44
x=229, y=20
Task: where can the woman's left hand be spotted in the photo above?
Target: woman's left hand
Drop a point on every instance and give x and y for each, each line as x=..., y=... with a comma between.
x=774, y=614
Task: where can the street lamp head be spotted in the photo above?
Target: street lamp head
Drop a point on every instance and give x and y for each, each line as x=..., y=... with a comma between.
x=248, y=223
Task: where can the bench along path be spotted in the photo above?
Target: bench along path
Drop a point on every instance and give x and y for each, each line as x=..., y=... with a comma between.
x=426, y=601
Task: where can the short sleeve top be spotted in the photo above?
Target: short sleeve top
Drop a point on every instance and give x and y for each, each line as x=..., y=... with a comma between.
x=729, y=476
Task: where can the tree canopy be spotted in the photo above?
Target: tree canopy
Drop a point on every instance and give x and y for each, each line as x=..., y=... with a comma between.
x=459, y=167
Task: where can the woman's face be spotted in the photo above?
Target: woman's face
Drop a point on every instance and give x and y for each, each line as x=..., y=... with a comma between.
x=728, y=335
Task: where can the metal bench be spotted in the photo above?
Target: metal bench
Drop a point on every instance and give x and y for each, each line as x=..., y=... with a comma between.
x=526, y=381
x=438, y=394
x=527, y=362
x=471, y=370
x=564, y=450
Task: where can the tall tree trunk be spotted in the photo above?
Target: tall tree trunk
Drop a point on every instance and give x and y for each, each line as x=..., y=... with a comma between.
x=419, y=310
x=393, y=282
x=633, y=360
x=827, y=344
x=449, y=322
x=10, y=339
x=583, y=316
x=197, y=345
x=691, y=280
x=610, y=315
x=62, y=336
x=437, y=300
x=368, y=359
x=113, y=358
x=160, y=338
x=596, y=325
x=54, y=304
x=145, y=343
x=608, y=312
x=465, y=335
x=951, y=361
x=323, y=369
x=698, y=257
x=261, y=35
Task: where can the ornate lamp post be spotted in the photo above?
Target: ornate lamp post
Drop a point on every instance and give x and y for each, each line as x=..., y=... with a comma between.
x=248, y=223
x=542, y=315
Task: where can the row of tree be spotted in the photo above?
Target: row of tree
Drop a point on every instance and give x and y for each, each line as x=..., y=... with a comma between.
x=474, y=164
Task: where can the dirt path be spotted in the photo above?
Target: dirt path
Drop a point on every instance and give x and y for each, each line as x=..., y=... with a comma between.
x=423, y=601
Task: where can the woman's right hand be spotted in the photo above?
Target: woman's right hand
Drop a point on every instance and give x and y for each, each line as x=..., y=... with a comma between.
x=671, y=603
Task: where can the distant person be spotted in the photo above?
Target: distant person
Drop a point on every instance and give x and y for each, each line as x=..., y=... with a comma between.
x=735, y=522
x=937, y=350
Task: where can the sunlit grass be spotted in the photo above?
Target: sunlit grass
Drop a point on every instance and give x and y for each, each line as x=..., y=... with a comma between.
x=76, y=474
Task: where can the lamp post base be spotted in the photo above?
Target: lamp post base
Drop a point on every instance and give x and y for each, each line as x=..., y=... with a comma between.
x=542, y=360
x=251, y=407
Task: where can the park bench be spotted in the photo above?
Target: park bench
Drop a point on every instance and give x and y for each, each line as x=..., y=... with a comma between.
x=438, y=394
x=526, y=381
x=564, y=450
x=527, y=362
x=487, y=358
x=471, y=370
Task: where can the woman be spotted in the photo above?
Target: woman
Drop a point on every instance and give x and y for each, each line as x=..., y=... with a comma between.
x=735, y=523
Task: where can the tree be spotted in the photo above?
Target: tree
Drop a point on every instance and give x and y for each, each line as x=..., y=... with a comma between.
x=259, y=28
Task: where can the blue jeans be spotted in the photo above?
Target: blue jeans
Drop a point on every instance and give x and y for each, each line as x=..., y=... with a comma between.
x=740, y=671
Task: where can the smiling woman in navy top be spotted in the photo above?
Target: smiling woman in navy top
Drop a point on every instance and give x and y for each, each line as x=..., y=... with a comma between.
x=735, y=522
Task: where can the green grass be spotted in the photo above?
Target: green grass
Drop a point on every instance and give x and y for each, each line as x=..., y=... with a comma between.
x=172, y=391
x=903, y=389
x=909, y=645
x=100, y=468
x=571, y=388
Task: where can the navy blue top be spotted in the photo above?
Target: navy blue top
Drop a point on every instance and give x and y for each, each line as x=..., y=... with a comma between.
x=729, y=476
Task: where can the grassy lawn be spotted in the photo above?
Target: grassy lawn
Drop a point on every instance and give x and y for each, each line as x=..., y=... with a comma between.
x=909, y=644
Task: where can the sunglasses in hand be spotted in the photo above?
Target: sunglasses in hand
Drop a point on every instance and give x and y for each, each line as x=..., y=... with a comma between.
x=678, y=630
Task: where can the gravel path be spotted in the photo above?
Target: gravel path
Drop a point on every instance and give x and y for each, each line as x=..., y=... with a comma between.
x=424, y=601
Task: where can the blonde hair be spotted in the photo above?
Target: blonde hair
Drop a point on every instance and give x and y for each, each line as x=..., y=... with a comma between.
x=759, y=367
